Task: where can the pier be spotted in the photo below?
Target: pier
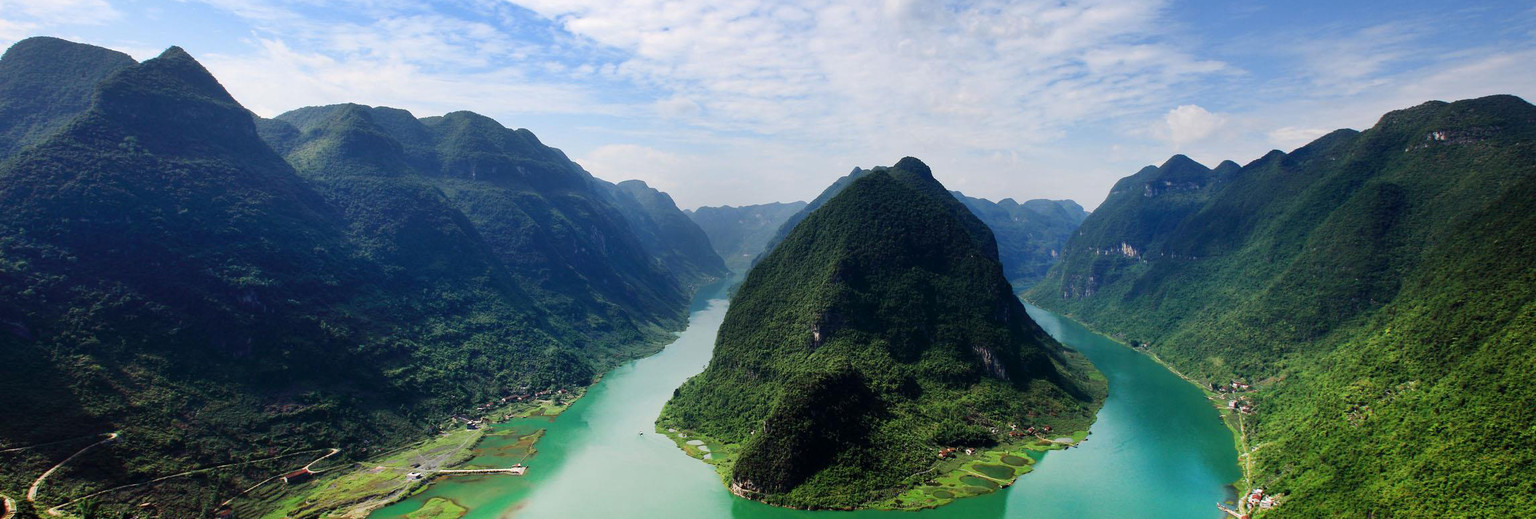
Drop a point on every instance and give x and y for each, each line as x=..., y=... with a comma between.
x=516, y=471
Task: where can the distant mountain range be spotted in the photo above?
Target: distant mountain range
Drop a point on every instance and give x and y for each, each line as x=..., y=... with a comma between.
x=1376, y=288
x=740, y=234
x=1030, y=236
x=216, y=287
x=879, y=332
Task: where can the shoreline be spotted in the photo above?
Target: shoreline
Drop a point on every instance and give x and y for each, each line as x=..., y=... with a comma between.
x=1239, y=439
x=358, y=493
x=547, y=408
x=911, y=498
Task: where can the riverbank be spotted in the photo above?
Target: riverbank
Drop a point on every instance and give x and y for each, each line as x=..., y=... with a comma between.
x=1231, y=419
x=399, y=474
x=960, y=475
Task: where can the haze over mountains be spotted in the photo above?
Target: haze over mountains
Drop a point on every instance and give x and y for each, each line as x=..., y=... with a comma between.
x=740, y=234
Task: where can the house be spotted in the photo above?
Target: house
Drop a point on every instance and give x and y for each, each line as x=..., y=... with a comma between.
x=298, y=476
x=1255, y=497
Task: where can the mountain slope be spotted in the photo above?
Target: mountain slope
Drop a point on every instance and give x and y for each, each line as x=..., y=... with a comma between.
x=666, y=232
x=740, y=234
x=599, y=262
x=164, y=273
x=1030, y=235
x=1375, y=285
x=149, y=251
x=879, y=331
x=45, y=83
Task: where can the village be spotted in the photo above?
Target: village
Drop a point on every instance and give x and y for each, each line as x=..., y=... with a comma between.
x=1255, y=500
x=1013, y=433
x=1238, y=402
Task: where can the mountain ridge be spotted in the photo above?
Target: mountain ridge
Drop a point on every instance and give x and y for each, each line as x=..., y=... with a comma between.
x=1370, y=285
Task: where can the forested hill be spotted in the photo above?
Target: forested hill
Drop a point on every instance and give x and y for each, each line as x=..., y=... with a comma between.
x=168, y=275
x=612, y=260
x=878, y=332
x=45, y=83
x=1377, y=289
x=740, y=234
x=1029, y=235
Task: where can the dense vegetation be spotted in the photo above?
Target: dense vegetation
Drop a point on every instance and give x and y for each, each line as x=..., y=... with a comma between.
x=1030, y=235
x=879, y=331
x=666, y=232
x=595, y=254
x=1377, y=287
x=740, y=234
x=45, y=83
x=164, y=273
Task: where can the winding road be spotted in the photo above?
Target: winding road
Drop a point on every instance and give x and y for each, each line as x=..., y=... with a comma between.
x=269, y=480
x=32, y=491
x=59, y=510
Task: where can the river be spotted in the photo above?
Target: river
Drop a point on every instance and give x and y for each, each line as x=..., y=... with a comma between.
x=1158, y=450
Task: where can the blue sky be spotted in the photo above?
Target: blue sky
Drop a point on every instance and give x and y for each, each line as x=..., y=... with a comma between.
x=753, y=101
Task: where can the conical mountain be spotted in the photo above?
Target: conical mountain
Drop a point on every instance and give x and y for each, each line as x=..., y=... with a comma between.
x=158, y=226
x=166, y=275
x=880, y=331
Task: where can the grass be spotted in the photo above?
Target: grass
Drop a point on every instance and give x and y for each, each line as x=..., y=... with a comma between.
x=382, y=480
x=963, y=476
x=439, y=508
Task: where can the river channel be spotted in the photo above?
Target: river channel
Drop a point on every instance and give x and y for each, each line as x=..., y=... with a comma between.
x=1158, y=450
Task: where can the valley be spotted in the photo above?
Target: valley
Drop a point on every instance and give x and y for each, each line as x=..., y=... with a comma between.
x=260, y=260
x=1157, y=450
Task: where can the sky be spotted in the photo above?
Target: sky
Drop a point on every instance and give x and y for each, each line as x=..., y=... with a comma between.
x=753, y=101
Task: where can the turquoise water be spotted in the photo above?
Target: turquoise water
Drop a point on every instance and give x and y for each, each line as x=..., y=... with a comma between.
x=1158, y=450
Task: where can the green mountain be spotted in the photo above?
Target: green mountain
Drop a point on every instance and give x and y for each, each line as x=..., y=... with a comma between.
x=666, y=232
x=618, y=262
x=1030, y=235
x=880, y=331
x=166, y=274
x=45, y=83
x=811, y=207
x=740, y=234
x=1375, y=287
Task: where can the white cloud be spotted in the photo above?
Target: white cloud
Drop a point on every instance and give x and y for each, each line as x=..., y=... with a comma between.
x=59, y=12
x=986, y=75
x=1190, y=123
x=1291, y=137
x=759, y=100
x=279, y=78
x=23, y=18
